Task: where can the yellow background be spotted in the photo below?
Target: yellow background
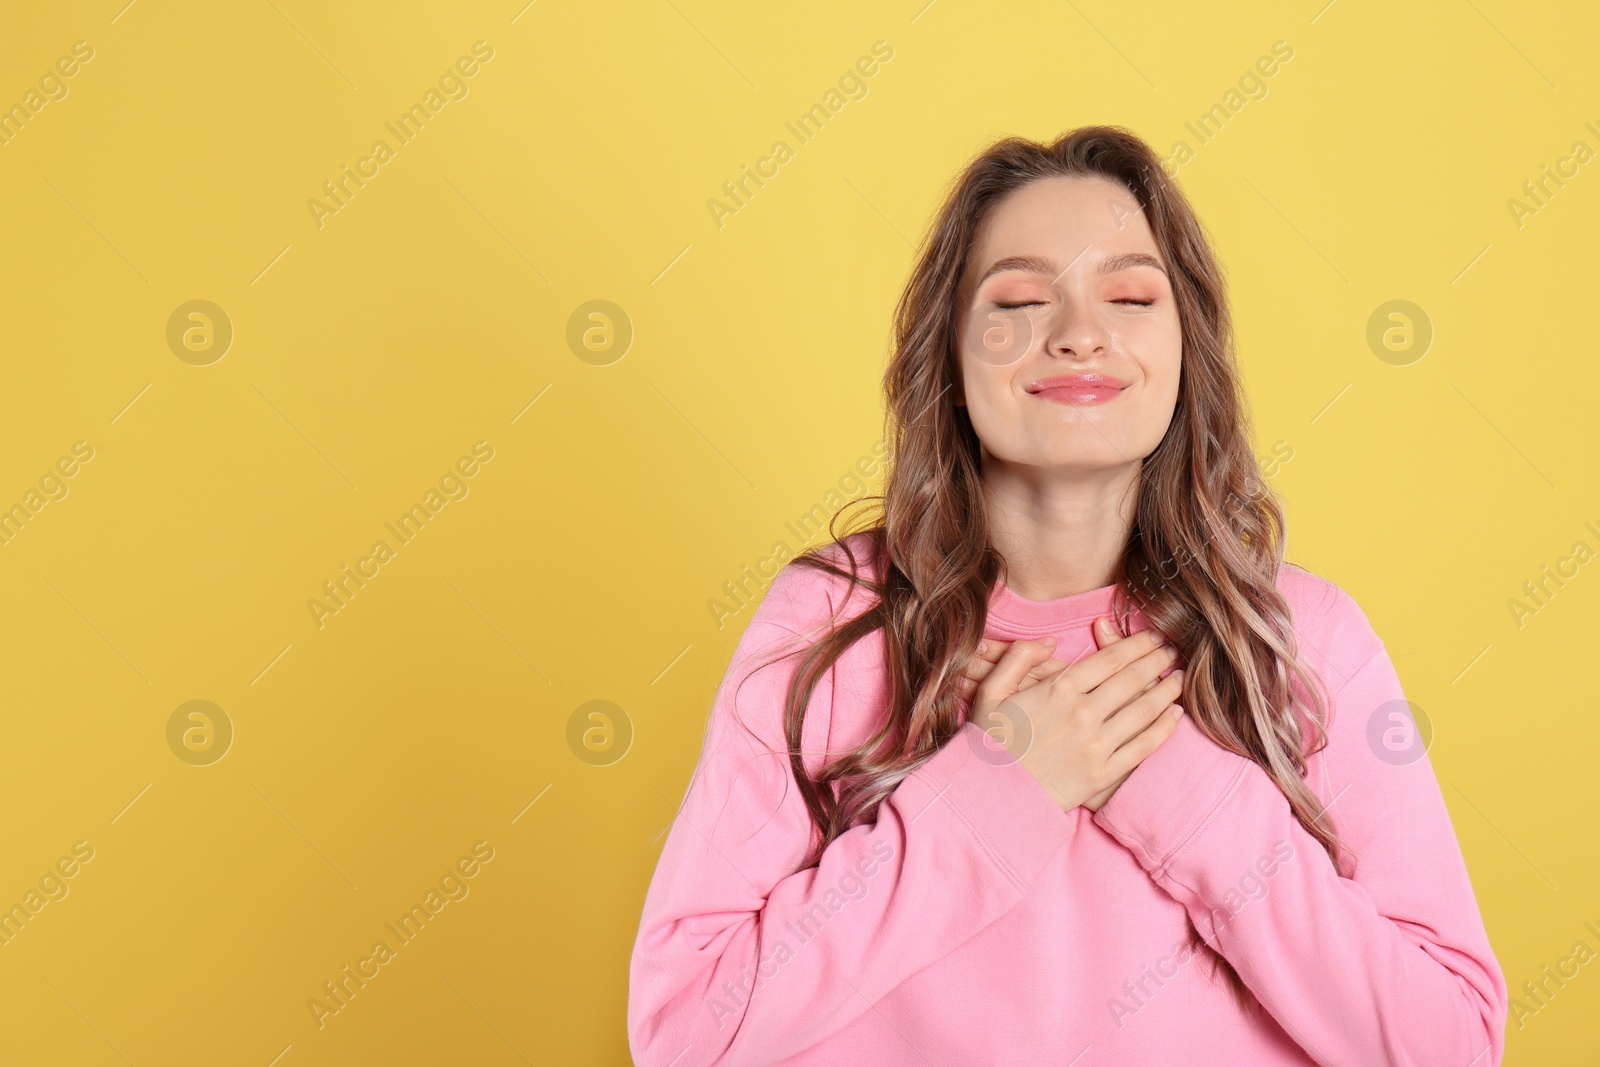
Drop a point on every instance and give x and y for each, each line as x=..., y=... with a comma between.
x=428, y=313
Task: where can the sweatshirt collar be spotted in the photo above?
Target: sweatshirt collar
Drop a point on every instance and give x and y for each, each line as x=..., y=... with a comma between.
x=1049, y=616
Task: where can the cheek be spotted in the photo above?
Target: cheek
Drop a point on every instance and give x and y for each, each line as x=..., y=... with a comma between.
x=1157, y=347
x=1157, y=344
x=1161, y=400
x=1165, y=364
x=979, y=386
x=997, y=339
x=987, y=393
x=1157, y=336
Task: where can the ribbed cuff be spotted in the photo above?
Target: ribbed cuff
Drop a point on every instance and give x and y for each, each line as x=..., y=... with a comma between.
x=1170, y=798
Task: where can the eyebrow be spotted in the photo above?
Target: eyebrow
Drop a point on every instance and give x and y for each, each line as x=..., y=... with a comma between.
x=1038, y=265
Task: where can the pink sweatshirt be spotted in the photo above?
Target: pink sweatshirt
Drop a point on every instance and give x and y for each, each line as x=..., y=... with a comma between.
x=975, y=922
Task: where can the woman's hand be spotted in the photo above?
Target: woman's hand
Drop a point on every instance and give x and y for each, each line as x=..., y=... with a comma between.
x=1079, y=729
x=1105, y=634
x=989, y=653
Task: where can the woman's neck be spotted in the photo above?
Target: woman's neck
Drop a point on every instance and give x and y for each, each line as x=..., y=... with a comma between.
x=1059, y=532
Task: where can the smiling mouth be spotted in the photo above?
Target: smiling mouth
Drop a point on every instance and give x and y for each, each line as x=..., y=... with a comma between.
x=1078, y=389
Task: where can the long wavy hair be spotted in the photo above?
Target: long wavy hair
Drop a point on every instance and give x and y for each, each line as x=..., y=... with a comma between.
x=1201, y=560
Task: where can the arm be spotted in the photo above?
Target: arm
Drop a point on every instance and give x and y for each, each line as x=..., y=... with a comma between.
x=742, y=959
x=1392, y=966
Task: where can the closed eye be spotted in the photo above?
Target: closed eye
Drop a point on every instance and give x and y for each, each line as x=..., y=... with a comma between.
x=1035, y=303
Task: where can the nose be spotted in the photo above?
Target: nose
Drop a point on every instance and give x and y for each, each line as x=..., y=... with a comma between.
x=1072, y=330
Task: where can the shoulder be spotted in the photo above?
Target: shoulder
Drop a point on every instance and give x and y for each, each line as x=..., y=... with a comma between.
x=1331, y=628
x=800, y=606
x=803, y=598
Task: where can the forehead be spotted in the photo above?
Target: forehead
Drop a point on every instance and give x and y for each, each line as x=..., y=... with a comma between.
x=1058, y=218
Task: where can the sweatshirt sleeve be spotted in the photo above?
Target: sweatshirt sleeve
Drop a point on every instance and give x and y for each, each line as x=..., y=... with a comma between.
x=740, y=958
x=1392, y=965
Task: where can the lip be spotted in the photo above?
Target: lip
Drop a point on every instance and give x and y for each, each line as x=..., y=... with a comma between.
x=1089, y=388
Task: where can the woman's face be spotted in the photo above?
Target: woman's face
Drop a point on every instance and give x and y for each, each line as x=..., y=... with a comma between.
x=1068, y=332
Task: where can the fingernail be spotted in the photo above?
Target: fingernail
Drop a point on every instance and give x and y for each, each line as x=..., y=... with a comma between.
x=1177, y=712
x=1048, y=640
x=983, y=646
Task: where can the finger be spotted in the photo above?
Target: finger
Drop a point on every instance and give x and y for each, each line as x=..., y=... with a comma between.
x=1138, y=714
x=1019, y=659
x=1093, y=669
x=1152, y=680
x=1105, y=632
x=1134, y=752
x=1132, y=680
x=1046, y=670
x=1149, y=685
x=980, y=667
x=966, y=687
x=968, y=691
x=987, y=655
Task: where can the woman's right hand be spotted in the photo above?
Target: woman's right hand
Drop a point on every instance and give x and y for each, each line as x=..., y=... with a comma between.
x=1081, y=732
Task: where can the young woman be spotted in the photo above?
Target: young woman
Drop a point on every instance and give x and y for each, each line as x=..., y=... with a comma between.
x=1060, y=762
